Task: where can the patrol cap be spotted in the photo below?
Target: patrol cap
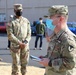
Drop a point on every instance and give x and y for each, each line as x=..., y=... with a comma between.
x=58, y=9
x=18, y=6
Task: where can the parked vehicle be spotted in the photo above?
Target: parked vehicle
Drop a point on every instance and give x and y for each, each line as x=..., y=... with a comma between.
x=72, y=26
x=33, y=30
x=2, y=26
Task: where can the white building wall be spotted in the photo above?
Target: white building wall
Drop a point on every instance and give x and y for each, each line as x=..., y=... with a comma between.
x=33, y=9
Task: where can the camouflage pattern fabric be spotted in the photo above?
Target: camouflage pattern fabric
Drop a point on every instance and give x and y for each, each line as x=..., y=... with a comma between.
x=18, y=6
x=58, y=9
x=61, y=51
x=19, y=30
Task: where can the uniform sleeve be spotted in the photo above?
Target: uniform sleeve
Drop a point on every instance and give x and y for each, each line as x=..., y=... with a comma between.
x=67, y=58
x=28, y=32
x=10, y=33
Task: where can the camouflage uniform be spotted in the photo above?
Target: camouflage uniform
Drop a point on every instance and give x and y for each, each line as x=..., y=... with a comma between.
x=62, y=49
x=18, y=31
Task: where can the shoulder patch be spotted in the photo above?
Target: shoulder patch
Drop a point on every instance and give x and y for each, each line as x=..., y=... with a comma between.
x=70, y=48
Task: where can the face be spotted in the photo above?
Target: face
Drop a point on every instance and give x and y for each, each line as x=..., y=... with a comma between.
x=59, y=21
x=18, y=12
x=56, y=19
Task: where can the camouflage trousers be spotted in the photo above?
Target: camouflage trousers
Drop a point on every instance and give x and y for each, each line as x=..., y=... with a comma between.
x=22, y=57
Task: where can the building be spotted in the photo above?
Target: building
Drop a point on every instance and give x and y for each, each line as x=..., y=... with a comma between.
x=33, y=9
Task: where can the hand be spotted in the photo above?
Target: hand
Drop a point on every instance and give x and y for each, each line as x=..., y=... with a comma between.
x=22, y=45
x=48, y=39
x=41, y=57
x=44, y=61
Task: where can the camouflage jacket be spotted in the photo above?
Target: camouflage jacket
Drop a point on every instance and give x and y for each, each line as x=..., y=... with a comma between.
x=61, y=52
x=18, y=30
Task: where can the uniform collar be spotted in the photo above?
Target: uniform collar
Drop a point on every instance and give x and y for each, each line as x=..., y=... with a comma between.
x=60, y=32
x=19, y=19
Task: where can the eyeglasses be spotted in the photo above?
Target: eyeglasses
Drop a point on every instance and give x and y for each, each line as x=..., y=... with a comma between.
x=56, y=16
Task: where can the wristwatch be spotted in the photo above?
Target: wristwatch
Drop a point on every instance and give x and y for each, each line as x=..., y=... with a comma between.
x=25, y=41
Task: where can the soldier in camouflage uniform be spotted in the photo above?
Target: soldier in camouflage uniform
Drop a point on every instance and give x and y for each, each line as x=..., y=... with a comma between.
x=19, y=33
x=62, y=47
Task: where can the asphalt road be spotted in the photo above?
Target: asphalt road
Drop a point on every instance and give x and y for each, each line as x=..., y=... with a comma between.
x=5, y=54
